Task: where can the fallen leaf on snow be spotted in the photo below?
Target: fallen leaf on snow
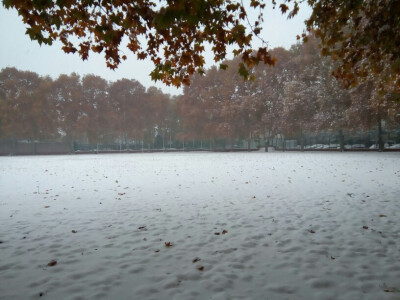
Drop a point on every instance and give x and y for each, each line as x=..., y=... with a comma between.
x=201, y=268
x=224, y=231
x=196, y=260
x=52, y=263
x=74, y=231
x=168, y=244
x=365, y=227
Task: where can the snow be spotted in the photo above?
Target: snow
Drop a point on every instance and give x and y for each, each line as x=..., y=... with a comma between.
x=299, y=226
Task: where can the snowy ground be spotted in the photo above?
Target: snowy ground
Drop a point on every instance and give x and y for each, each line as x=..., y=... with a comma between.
x=241, y=225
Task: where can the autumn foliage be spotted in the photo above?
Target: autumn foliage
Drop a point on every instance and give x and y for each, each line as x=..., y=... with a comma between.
x=172, y=34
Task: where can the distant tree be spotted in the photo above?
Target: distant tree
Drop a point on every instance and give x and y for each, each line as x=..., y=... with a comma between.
x=370, y=109
x=26, y=107
x=269, y=88
x=201, y=107
x=73, y=119
x=157, y=117
x=98, y=108
x=299, y=108
x=242, y=109
x=129, y=103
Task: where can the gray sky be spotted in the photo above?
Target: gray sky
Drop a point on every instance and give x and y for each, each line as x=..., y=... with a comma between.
x=17, y=50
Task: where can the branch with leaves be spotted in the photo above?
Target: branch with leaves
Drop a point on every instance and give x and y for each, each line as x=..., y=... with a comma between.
x=172, y=34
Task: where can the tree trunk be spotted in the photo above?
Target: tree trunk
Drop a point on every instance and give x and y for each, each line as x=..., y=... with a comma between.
x=341, y=140
x=380, y=138
x=266, y=144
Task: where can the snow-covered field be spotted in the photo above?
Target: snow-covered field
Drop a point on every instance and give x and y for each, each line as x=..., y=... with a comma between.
x=239, y=226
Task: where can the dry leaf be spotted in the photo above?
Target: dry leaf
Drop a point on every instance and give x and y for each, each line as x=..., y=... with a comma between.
x=142, y=227
x=168, y=244
x=201, y=268
x=224, y=231
x=365, y=227
x=216, y=233
x=195, y=260
x=52, y=263
x=382, y=216
x=74, y=231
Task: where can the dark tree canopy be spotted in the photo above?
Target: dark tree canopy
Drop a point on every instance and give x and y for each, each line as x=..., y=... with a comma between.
x=362, y=35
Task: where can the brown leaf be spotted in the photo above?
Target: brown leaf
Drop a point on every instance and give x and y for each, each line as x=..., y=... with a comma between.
x=196, y=260
x=224, y=231
x=365, y=227
x=216, y=233
x=74, y=231
x=382, y=216
x=168, y=244
x=201, y=268
x=52, y=263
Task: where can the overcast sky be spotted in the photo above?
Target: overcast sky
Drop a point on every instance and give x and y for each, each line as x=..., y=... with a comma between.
x=17, y=50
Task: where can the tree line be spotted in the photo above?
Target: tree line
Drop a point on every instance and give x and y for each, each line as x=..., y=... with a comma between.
x=88, y=109
x=296, y=97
